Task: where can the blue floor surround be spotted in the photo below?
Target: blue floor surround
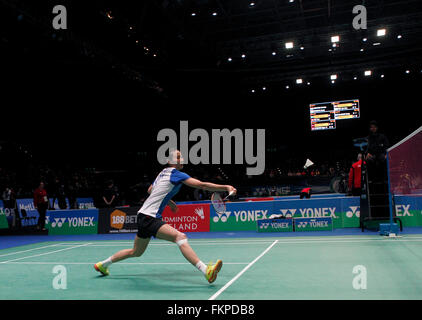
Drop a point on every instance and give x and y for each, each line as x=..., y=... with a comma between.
x=14, y=241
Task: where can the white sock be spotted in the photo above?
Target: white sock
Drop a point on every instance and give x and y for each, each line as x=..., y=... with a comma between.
x=202, y=266
x=107, y=262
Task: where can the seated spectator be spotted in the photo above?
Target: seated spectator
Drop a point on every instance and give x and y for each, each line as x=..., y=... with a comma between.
x=305, y=193
x=109, y=195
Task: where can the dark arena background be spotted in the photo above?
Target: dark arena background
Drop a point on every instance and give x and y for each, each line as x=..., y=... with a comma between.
x=81, y=108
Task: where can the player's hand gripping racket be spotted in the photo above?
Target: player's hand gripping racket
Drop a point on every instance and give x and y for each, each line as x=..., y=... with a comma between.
x=219, y=203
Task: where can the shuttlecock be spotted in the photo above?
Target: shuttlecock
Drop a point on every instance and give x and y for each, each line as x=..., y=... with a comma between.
x=308, y=163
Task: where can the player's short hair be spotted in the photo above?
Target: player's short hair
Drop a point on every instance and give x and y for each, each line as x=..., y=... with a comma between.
x=170, y=158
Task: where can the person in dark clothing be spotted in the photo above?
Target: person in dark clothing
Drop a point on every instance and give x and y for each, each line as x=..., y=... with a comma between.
x=376, y=153
x=59, y=193
x=305, y=193
x=41, y=204
x=109, y=195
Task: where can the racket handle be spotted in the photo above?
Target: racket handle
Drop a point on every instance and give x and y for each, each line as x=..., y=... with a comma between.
x=231, y=193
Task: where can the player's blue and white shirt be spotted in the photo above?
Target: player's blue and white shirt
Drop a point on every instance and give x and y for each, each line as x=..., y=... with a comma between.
x=166, y=185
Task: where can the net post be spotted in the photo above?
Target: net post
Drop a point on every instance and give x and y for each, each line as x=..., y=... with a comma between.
x=390, y=195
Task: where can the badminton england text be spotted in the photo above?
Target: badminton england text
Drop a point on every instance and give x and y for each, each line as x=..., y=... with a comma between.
x=200, y=153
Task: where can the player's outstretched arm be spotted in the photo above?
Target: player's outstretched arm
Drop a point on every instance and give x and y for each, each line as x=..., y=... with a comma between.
x=208, y=186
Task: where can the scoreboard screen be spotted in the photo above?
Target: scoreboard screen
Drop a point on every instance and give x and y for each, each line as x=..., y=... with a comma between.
x=325, y=115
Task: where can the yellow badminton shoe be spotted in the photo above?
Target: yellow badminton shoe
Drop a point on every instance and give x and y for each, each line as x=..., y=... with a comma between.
x=212, y=270
x=99, y=267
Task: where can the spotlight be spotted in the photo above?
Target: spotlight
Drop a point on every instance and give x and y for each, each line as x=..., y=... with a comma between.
x=355, y=78
x=361, y=50
x=302, y=48
x=253, y=90
x=376, y=43
x=193, y=14
x=289, y=45
x=264, y=88
x=287, y=87
x=229, y=59
x=334, y=45
x=274, y=53
x=365, y=39
x=332, y=81
x=243, y=56
x=308, y=83
x=299, y=81
x=382, y=76
x=381, y=32
x=214, y=14
x=368, y=73
x=291, y=1
x=333, y=77
x=252, y=4
x=399, y=36
x=335, y=39
x=407, y=71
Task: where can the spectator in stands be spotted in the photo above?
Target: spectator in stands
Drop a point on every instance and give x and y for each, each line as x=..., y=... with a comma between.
x=9, y=198
x=41, y=204
x=109, y=195
x=61, y=194
x=306, y=193
x=355, y=177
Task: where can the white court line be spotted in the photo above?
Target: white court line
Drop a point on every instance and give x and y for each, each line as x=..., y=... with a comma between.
x=228, y=284
x=16, y=252
x=173, y=244
x=126, y=263
x=43, y=254
x=248, y=241
x=316, y=241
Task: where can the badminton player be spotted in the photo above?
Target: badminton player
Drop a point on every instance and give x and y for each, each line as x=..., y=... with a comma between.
x=165, y=186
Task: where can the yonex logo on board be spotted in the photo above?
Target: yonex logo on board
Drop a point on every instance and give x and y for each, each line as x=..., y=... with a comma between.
x=73, y=222
x=221, y=216
x=302, y=224
x=354, y=211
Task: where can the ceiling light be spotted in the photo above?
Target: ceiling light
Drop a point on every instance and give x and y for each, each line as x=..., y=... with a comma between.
x=335, y=39
x=333, y=77
x=289, y=45
x=368, y=73
x=381, y=32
